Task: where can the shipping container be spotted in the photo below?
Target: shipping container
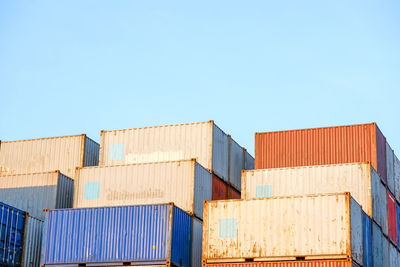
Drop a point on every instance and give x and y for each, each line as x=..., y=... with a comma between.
x=219, y=189
x=33, y=242
x=393, y=258
x=396, y=163
x=233, y=193
x=385, y=252
x=63, y=153
x=360, y=179
x=391, y=211
x=249, y=160
x=12, y=229
x=390, y=168
x=127, y=235
x=204, y=141
x=398, y=224
x=185, y=182
x=283, y=228
x=34, y=192
x=377, y=253
x=298, y=263
x=367, y=240
x=236, y=158
x=320, y=146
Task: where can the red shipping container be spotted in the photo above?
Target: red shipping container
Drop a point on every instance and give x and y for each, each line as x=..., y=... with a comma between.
x=219, y=189
x=300, y=263
x=320, y=146
x=232, y=193
x=391, y=214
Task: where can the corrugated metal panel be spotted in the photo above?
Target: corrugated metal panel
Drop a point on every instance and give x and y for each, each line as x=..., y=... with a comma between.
x=220, y=148
x=91, y=153
x=232, y=193
x=186, y=183
x=393, y=260
x=385, y=252
x=391, y=212
x=197, y=236
x=355, y=178
x=63, y=153
x=146, y=234
x=398, y=224
x=383, y=215
x=249, y=160
x=367, y=240
x=390, y=168
x=377, y=252
x=12, y=227
x=300, y=263
x=34, y=192
x=235, y=229
x=236, y=163
x=397, y=177
x=33, y=242
x=219, y=189
x=319, y=146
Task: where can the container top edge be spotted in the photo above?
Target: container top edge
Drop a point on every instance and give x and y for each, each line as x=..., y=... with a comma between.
x=31, y=173
x=143, y=163
x=44, y=138
x=171, y=204
x=311, y=166
x=156, y=126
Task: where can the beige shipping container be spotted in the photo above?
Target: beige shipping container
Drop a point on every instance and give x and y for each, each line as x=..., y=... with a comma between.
x=34, y=192
x=285, y=228
x=186, y=183
x=204, y=141
x=360, y=179
x=63, y=153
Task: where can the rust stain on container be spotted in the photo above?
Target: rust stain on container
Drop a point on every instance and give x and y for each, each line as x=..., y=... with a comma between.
x=320, y=146
x=219, y=188
x=297, y=263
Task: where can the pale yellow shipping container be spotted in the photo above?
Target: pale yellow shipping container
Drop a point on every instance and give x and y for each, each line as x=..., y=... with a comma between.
x=285, y=228
x=186, y=183
x=63, y=153
x=360, y=179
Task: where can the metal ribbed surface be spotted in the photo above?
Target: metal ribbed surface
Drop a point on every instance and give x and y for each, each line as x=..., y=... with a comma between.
x=197, y=235
x=117, y=234
x=41, y=155
x=220, y=147
x=249, y=160
x=319, y=146
x=393, y=256
x=377, y=252
x=12, y=227
x=219, y=188
x=397, y=177
x=288, y=227
x=390, y=168
x=391, y=217
x=356, y=178
x=33, y=242
x=186, y=183
x=367, y=240
x=310, y=263
x=91, y=157
x=34, y=192
x=385, y=252
x=398, y=224
x=236, y=164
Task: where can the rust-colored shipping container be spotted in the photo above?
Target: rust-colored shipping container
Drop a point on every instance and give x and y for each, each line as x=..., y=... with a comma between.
x=219, y=188
x=233, y=193
x=298, y=263
x=391, y=218
x=320, y=146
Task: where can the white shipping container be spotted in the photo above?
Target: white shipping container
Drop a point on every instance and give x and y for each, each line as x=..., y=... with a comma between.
x=186, y=183
x=63, y=153
x=34, y=192
x=397, y=177
x=390, y=168
x=33, y=242
x=313, y=227
x=360, y=179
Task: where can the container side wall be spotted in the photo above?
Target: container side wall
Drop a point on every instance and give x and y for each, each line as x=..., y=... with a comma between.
x=249, y=161
x=377, y=189
x=202, y=188
x=398, y=224
x=219, y=188
x=30, y=192
x=232, y=193
x=385, y=252
x=393, y=256
x=181, y=238
x=309, y=263
x=367, y=240
x=33, y=242
x=381, y=154
x=384, y=209
x=356, y=223
x=353, y=177
x=377, y=252
x=42, y=155
x=220, y=153
x=91, y=156
x=391, y=213
x=397, y=177
x=149, y=183
x=111, y=234
x=196, y=242
x=390, y=168
x=65, y=192
x=236, y=164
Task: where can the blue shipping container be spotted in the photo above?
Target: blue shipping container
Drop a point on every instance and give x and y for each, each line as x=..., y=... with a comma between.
x=142, y=234
x=377, y=253
x=12, y=227
x=398, y=224
x=367, y=239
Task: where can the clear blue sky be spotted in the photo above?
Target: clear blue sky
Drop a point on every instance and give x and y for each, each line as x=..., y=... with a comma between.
x=71, y=67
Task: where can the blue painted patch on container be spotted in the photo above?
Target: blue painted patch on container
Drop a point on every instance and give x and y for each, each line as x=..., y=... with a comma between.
x=117, y=152
x=398, y=224
x=92, y=190
x=367, y=240
x=228, y=228
x=263, y=191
